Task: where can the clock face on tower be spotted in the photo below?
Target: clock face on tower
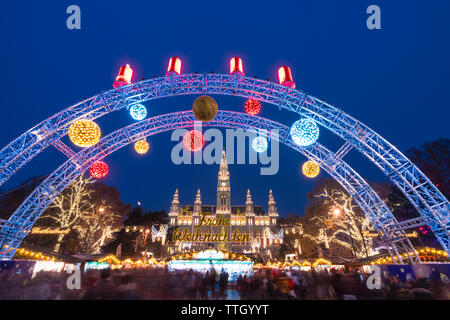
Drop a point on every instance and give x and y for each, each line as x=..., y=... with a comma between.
x=224, y=183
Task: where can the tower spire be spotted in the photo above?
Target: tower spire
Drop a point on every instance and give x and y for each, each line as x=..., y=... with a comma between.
x=272, y=205
x=249, y=204
x=198, y=203
x=175, y=203
x=223, y=187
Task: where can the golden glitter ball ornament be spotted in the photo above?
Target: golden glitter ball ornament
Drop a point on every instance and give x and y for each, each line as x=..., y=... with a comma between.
x=205, y=108
x=141, y=146
x=310, y=169
x=84, y=133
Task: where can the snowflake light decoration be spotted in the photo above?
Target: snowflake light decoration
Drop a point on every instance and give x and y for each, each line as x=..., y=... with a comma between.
x=138, y=112
x=259, y=144
x=304, y=132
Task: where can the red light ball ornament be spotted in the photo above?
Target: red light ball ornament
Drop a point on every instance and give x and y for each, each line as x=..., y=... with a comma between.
x=99, y=170
x=252, y=106
x=193, y=140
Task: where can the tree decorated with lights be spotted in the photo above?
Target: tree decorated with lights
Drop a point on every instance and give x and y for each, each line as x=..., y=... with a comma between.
x=69, y=206
x=97, y=226
x=91, y=210
x=343, y=225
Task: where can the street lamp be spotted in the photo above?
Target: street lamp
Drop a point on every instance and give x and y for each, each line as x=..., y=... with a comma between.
x=101, y=209
x=336, y=212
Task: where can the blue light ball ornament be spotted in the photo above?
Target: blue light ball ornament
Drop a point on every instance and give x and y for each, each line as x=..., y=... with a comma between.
x=138, y=112
x=304, y=132
x=259, y=144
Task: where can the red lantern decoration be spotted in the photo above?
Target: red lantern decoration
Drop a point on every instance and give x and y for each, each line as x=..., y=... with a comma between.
x=99, y=170
x=252, y=106
x=124, y=76
x=285, y=77
x=236, y=66
x=174, y=66
x=193, y=140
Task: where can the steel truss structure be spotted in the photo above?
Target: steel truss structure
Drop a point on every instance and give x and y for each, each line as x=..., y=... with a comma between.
x=433, y=207
x=26, y=215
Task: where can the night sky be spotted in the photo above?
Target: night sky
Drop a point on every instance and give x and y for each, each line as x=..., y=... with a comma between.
x=396, y=80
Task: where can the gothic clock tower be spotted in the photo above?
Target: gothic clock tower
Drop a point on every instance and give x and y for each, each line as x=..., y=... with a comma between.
x=223, y=188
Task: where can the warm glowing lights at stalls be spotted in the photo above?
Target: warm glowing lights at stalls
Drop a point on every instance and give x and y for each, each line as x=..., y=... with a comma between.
x=124, y=76
x=193, y=140
x=84, y=133
x=33, y=255
x=425, y=255
x=141, y=146
x=99, y=169
x=310, y=169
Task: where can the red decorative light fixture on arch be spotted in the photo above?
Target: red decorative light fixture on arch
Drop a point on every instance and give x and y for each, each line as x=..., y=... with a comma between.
x=99, y=169
x=193, y=140
x=252, y=106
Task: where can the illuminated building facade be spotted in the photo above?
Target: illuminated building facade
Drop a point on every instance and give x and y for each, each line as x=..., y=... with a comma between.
x=241, y=229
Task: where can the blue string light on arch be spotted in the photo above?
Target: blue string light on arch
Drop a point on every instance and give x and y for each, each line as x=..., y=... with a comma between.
x=304, y=132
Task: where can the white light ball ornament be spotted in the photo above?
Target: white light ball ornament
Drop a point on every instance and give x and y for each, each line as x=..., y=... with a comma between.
x=304, y=132
x=259, y=144
x=138, y=112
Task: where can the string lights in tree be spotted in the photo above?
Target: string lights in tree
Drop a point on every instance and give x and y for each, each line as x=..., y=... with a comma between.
x=138, y=111
x=310, y=169
x=141, y=146
x=304, y=132
x=252, y=107
x=259, y=144
x=84, y=133
x=193, y=140
x=99, y=170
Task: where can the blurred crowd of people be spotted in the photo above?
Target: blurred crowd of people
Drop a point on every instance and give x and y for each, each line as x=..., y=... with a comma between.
x=263, y=284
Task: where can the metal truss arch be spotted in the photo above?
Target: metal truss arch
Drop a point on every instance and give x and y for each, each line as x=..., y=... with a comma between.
x=16, y=228
x=427, y=199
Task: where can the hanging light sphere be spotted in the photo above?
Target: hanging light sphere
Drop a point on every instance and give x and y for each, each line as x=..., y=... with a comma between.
x=304, y=132
x=259, y=144
x=193, y=140
x=99, y=170
x=84, y=133
x=252, y=107
x=310, y=169
x=138, y=111
x=205, y=108
x=141, y=146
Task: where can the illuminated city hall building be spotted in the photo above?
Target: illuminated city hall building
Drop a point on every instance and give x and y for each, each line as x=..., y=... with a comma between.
x=241, y=229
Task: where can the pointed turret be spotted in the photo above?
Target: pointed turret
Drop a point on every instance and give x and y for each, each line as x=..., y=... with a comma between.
x=175, y=203
x=174, y=209
x=249, y=204
x=272, y=205
x=198, y=203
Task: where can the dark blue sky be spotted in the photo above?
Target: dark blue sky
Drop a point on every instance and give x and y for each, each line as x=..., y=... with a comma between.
x=396, y=80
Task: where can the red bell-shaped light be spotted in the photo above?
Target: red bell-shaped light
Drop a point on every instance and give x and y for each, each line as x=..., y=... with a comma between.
x=174, y=66
x=124, y=76
x=285, y=77
x=236, y=67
